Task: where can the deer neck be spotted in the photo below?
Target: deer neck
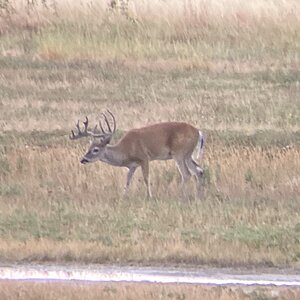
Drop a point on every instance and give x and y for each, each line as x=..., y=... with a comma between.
x=113, y=156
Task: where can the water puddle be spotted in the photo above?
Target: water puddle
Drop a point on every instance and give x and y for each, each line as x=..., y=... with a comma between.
x=147, y=274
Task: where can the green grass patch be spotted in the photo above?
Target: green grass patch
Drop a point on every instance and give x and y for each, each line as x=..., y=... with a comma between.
x=263, y=236
x=10, y=190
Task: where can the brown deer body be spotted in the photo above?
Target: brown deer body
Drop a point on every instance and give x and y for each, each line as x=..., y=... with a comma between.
x=162, y=141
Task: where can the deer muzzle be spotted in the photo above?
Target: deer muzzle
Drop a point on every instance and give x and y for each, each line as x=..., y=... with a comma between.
x=84, y=161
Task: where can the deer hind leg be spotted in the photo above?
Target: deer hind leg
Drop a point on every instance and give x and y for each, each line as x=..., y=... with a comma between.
x=197, y=171
x=145, y=171
x=184, y=172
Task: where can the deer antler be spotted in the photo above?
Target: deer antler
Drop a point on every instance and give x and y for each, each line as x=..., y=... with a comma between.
x=84, y=132
x=114, y=120
x=107, y=124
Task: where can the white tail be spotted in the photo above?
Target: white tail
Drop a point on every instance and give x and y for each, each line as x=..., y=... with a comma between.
x=163, y=141
x=200, y=146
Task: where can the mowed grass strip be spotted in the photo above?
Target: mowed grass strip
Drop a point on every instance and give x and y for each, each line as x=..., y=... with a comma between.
x=47, y=96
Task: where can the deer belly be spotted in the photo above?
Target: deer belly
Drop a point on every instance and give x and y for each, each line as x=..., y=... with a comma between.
x=163, y=155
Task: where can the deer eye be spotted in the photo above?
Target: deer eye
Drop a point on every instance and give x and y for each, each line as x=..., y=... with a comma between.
x=95, y=150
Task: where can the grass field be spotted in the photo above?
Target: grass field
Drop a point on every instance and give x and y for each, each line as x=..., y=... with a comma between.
x=229, y=68
x=10, y=290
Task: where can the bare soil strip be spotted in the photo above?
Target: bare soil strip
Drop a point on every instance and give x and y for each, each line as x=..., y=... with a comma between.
x=216, y=276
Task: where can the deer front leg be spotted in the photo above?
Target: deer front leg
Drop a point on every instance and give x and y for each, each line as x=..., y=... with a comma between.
x=129, y=177
x=145, y=171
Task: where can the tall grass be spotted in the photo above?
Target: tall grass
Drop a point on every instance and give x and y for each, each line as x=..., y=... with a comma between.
x=207, y=34
x=61, y=211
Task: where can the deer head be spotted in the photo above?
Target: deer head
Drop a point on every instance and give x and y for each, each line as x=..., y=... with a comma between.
x=99, y=141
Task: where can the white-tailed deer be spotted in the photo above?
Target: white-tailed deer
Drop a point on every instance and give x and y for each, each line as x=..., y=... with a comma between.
x=162, y=141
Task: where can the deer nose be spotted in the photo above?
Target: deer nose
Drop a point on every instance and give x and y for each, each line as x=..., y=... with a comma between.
x=84, y=161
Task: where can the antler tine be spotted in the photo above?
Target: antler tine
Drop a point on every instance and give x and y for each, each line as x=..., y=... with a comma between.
x=107, y=123
x=100, y=124
x=78, y=127
x=86, y=123
x=81, y=133
x=72, y=135
x=114, y=120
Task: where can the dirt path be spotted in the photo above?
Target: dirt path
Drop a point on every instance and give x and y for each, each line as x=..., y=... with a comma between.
x=95, y=273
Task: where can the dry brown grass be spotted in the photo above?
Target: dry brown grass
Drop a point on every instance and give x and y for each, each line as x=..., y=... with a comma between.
x=50, y=197
x=204, y=13
x=236, y=171
x=120, y=291
x=202, y=34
